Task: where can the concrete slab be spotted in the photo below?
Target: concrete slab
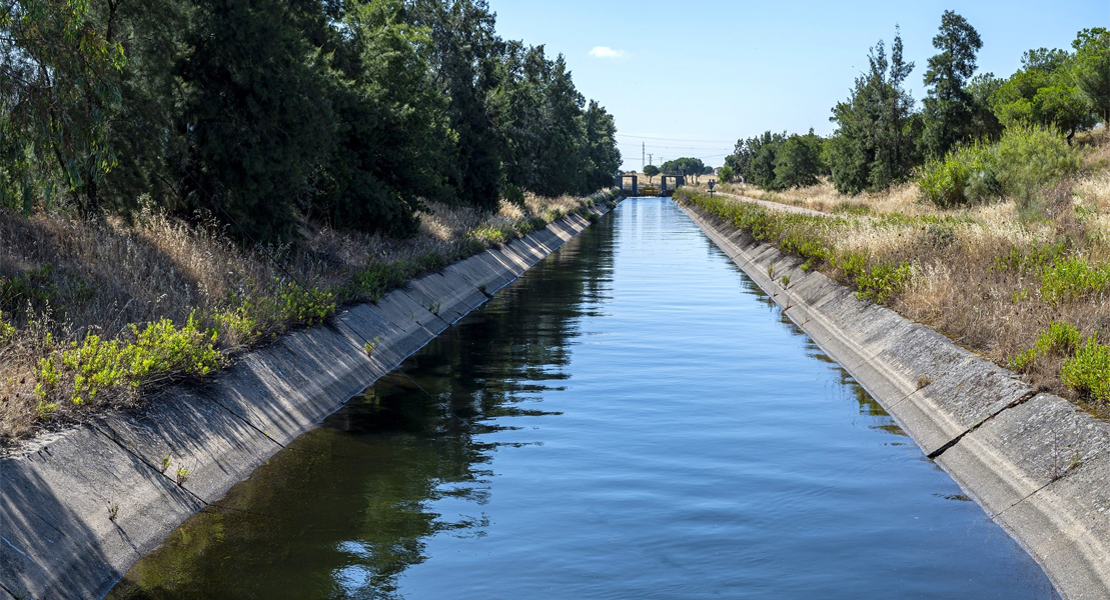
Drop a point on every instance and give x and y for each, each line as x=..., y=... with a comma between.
x=57, y=539
x=1037, y=464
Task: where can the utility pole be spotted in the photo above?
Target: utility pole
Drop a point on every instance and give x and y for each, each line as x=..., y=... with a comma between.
x=643, y=150
x=649, y=159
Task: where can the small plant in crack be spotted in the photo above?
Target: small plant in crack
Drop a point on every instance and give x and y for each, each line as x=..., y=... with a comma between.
x=165, y=464
x=370, y=346
x=1076, y=461
x=182, y=475
x=113, y=510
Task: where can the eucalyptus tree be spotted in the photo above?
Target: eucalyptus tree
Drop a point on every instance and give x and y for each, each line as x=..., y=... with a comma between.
x=58, y=84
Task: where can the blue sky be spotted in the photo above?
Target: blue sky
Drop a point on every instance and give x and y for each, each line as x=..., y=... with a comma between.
x=703, y=73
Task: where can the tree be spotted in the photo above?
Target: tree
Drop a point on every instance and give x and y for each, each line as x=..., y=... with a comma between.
x=798, y=162
x=691, y=167
x=1092, y=70
x=393, y=136
x=874, y=145
x=58, y=84
x=1044, y=92
x=948, y=107
x=142, y=130
x=725, y=174
x=603, y=158
x=984, y=121
x=257, y=115
x=651, y=171
x=464, y=64
x=560, y=164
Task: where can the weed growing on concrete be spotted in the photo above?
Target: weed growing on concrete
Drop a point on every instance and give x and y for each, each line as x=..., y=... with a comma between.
x=156, y=354
x=165, y=464
x=69, y=289
x=372, y=345
x=113, y=510
x=182, y=475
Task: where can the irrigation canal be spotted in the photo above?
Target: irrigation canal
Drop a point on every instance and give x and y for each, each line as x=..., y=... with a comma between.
x=631, y=419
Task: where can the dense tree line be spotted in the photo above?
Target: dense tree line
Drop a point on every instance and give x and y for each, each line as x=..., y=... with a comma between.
x=264, y=112
x=881, y=136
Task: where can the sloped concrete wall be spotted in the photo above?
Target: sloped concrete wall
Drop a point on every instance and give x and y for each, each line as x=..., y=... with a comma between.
x=56, y=537
x=1037, y=464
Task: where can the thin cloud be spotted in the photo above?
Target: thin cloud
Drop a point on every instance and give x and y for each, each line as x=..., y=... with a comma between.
x=607, y=52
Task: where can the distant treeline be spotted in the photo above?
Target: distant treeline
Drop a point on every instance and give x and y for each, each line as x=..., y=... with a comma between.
x=264, y=112
x=881, y=138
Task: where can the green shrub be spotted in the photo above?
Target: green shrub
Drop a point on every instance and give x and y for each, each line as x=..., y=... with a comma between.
x=491, y=236
x=7, y=330
x=964, y=176
x=1060, y=339
x=880, y=282
x=1028, y=158
x=158, y=353
x=512, y=194
x=305, y=305
x=35, y=287
x=1072, y=278
x=1088, y=372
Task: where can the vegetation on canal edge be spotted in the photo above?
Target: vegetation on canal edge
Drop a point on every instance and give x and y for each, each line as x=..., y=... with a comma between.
x=985, y=214
x=105, y=313
x=182, y=179
x=1021, y=276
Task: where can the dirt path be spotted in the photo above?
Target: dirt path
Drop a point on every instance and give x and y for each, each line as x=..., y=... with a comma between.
x=776, y=205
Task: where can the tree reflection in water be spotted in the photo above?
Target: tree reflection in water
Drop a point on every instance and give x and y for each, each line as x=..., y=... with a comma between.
x=346, y=508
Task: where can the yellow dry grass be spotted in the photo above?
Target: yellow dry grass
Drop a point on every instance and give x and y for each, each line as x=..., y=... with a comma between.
x=98, y=277
x=961, y=284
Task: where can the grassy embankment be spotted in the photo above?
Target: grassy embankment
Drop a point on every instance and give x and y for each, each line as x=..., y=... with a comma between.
x=1023, y=279
x=99, y=315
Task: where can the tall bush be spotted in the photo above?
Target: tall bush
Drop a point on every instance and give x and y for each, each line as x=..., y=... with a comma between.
x=1028, y=158
x=963, y=176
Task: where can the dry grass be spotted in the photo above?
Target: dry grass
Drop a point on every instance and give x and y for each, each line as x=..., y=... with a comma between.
x=62, y=280
x=823, y=197
x=965, y=282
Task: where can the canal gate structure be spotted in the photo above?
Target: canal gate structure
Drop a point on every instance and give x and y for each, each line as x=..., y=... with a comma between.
x=630, y=186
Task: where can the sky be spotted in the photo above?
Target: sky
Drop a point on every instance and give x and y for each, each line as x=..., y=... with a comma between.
x=690, y=78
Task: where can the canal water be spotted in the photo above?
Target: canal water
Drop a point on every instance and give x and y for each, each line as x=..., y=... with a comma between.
x=632, y=419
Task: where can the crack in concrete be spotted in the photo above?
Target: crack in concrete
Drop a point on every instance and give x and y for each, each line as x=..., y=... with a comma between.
x=143, y=460
x=8, y=591
x=1027, y=396
x=239, y=417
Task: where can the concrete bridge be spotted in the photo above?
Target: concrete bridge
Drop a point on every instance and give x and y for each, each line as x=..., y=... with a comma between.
x=629, y=185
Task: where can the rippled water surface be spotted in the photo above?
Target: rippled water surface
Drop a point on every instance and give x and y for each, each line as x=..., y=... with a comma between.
x=631, y=419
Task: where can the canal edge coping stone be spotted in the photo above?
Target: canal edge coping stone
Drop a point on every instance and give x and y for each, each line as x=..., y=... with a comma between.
x=1037, y=464
x=59, y=537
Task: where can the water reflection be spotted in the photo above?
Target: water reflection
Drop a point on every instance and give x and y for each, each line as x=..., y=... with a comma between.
x=413, y=439
x=627, y=421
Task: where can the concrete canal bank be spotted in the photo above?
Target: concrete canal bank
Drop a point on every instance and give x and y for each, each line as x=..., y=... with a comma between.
x=77, y=508
x=1036, y=463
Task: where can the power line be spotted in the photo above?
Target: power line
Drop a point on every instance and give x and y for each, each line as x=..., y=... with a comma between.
x=642, y=137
